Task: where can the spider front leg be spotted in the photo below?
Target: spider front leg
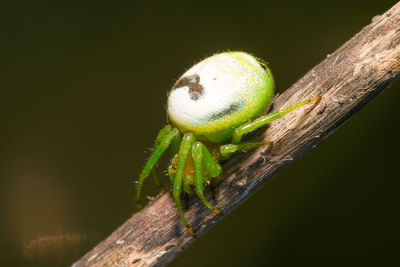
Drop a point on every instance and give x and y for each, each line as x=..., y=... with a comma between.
x=160, y=136
x=200, y=155
x=164, y=139
x=251, y=126
x=184, y=150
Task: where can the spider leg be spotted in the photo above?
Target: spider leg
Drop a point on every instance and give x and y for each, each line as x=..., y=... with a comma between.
x=228, y=149
x=161, y=134
x=156, y=180
x=187, y=181
x=250, y=126
x=176, y=142
x=160, y=148
x=212, y=166
x=184, y=150
x=198, y=160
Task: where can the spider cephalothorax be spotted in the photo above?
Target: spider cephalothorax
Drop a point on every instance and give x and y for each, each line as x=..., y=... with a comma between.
x=210, y=108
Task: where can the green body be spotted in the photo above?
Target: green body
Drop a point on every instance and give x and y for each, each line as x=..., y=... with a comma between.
x=246, y=93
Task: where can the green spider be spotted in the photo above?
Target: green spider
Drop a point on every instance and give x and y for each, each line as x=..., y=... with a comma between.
x=212, y=105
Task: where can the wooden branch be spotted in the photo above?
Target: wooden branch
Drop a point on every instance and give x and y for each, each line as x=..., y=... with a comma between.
x=346, y=80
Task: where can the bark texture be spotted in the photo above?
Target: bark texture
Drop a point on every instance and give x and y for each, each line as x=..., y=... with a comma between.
x=346, y=80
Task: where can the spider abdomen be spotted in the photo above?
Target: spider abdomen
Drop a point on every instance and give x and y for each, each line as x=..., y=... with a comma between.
x=220, y=93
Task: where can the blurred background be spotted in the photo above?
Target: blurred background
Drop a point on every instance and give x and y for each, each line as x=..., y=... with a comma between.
x=83, y=94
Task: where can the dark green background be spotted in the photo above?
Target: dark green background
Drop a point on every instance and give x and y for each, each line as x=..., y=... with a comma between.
x=83, y=93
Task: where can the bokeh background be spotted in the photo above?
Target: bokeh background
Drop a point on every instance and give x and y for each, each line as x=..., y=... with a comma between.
x=83, y=93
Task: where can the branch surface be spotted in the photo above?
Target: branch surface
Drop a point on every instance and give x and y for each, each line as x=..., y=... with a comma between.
x=347, y=79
